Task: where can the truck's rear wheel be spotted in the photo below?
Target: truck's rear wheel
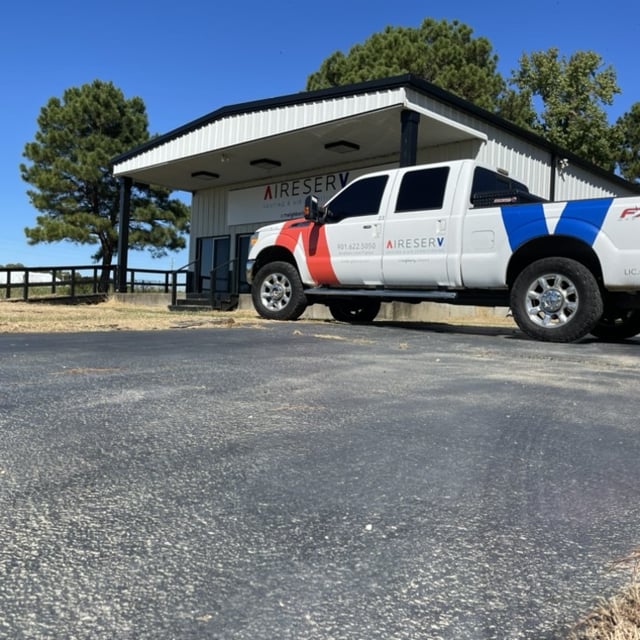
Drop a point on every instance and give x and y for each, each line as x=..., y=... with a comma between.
x=277, y=292
x=355, y=311
x=618, y=324
x=556, y=299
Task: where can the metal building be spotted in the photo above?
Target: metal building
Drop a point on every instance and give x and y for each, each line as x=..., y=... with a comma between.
x=253, y=163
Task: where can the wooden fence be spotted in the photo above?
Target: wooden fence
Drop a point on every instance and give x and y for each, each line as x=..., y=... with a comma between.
x=85, y=280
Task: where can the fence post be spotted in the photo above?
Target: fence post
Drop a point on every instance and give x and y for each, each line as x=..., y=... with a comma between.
x=25, y=286
x=8, y=295
x=174, y=288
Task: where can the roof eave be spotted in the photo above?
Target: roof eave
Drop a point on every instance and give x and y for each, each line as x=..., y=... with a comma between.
x=406, y=80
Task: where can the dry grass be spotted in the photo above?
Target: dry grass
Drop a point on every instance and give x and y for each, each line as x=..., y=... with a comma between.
x=619, y=617
x=22, y=317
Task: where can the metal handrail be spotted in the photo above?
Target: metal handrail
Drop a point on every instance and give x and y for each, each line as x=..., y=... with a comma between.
x=212, y=289
x=174, y=281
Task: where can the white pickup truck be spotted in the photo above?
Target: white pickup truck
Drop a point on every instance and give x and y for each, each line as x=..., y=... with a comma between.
x=459, y=233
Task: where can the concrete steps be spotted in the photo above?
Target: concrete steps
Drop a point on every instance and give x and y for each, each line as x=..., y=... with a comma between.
x=204, y=302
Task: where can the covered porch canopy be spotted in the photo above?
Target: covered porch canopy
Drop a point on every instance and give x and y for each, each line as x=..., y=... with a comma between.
x=295, y=134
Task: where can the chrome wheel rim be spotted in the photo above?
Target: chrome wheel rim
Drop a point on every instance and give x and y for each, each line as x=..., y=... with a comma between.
x=552, y=300
x=275, y=292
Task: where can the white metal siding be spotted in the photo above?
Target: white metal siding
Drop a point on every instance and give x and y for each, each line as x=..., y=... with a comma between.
x=574, y=183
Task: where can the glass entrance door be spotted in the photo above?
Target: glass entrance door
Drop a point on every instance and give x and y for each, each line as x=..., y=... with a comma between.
x=213, y=256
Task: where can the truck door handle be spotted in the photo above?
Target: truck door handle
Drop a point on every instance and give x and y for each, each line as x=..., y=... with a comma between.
x=366, y=226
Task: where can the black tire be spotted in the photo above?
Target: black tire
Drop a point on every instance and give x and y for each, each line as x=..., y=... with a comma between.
x=618, y=324
x=364, y=310
x=277, y=292
x=556, y=300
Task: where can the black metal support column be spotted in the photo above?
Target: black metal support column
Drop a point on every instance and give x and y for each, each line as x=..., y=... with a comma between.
x=552, y=182
x=123, y=233
x=409, y=137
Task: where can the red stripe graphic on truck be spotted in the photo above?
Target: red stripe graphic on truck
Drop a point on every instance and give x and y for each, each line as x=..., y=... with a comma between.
x=316, y=249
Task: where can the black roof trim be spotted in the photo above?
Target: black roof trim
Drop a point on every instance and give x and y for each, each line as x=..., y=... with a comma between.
x=407, y=80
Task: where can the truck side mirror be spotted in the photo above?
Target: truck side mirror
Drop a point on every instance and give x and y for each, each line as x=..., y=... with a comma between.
x=311, y=208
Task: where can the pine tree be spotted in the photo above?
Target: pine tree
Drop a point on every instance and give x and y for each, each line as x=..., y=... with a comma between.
x=443, y=53
x=73, y=187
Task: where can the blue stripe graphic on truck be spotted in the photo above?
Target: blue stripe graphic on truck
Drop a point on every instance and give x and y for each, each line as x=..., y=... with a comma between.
x=580, y=219
x=523, y=222
x=583, y=219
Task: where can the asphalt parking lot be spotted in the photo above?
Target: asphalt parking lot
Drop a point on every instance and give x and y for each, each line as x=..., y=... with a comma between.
x=312, y=481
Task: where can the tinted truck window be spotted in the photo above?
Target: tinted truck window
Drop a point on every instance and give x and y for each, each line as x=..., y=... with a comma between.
x=361, y=198
x=485, y=181
x=494, y=189
x=422, y=189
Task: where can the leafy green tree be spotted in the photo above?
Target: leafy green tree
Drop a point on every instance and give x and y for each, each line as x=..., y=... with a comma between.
x=443, y=53
x=572, y=92
x=73, y=186
x=517, y=107
x=628, y=128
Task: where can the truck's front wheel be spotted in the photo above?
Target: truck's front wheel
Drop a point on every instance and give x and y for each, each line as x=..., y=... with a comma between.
x=277, y=292
x=557, y=300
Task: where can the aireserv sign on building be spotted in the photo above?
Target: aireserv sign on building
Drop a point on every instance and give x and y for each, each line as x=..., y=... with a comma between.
x=284, y=200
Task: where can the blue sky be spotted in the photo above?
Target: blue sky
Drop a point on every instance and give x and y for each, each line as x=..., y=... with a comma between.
x=186, y=59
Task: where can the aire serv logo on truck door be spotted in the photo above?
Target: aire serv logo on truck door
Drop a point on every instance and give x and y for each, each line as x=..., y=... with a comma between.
x=410, y=244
